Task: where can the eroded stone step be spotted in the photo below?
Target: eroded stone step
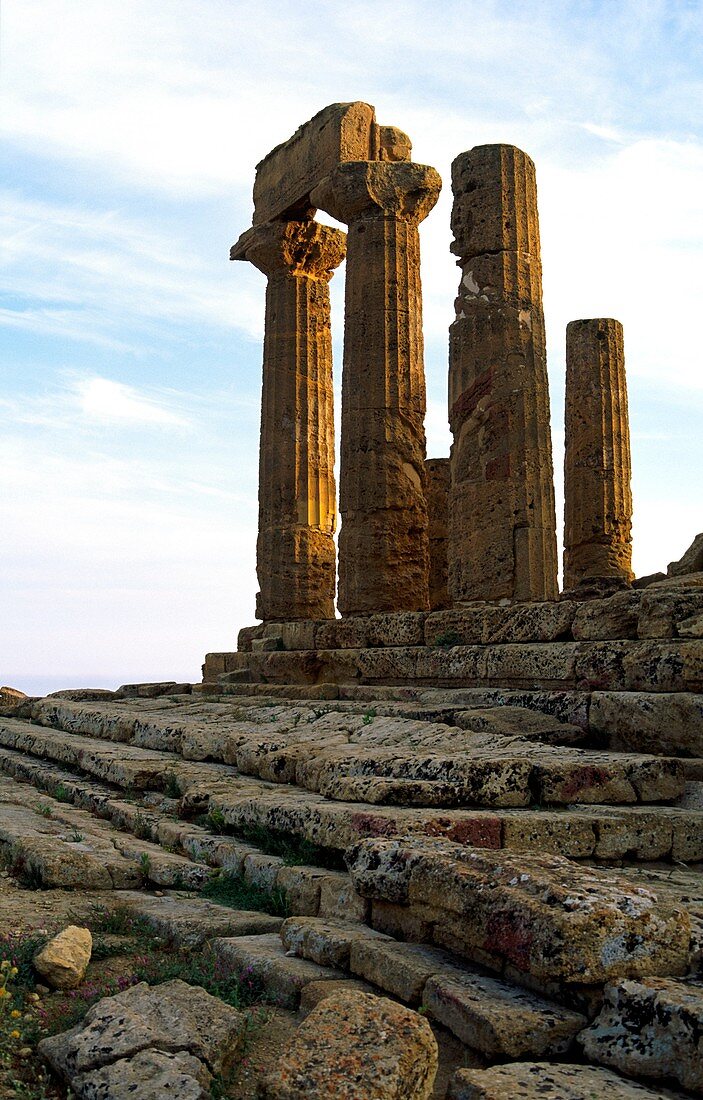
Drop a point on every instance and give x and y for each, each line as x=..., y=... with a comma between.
x=264, y=959
x=188, y=922
x=57, y=845
x=555, y=922
x=581, y=832
x=654, y=665
x=361, y=758
x=490, y=1016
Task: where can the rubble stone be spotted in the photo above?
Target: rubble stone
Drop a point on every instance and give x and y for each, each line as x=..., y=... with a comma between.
x=63, y=961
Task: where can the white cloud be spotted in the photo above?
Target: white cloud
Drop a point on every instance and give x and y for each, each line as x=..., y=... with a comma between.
x=104, y=400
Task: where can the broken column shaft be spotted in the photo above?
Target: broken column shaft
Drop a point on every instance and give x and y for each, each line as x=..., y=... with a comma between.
x=597, y=495
x=295, y=553
x=383, y=543
x=502, y=526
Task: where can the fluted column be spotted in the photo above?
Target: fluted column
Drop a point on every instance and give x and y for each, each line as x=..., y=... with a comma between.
x=295, y=554
x=597, y=471
x=383, y=542
x=502, y=525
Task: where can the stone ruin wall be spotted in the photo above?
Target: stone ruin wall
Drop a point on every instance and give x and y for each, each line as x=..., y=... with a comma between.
x=418, y=534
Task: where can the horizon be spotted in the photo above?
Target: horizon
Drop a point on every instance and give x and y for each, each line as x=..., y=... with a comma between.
x=132, y=346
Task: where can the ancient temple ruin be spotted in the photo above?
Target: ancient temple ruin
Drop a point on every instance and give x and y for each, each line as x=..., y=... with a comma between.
x=471, y=800
x=493, y=500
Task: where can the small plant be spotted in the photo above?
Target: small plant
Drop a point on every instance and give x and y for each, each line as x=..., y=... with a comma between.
x=171, y=788
x=75, y=837
x=369, y=716
x=447, y=639
x=215, y=821
x=234, y=892
x=45, y=810
x=140, y=826
x=145, y=866
x=60, y=793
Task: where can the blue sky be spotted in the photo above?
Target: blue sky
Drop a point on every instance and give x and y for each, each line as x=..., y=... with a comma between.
x=131, y=347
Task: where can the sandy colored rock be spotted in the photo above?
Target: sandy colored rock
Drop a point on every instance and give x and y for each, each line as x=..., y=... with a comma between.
x=542, y=914
x=354, y=1046
x=498, y=1019
x=438, y=479
x=63, y=961
x=650, y=1029
x=670, y=722
x=297, y=495
x=544, y=1081
x=597, y=467
x=340, y=132
x=383, y=542
x=689, y=562
x=502, y=538
x=150, y=1075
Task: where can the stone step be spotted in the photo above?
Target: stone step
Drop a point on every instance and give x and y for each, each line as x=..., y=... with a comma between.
x=581, y=832
x=57, y=845
x=548, y=1081
x=308, y=890
x=657, y=612
x=543, y=917
x=188, y=922
x=488, y=1015
x=652, y=1029
x=264, y=959
x=349, y=758
x=651, y=665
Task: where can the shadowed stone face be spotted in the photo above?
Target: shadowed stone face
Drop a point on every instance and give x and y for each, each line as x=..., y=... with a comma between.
x=383, y=545
x=598, y=499
x=502, y=540
x=297, y=496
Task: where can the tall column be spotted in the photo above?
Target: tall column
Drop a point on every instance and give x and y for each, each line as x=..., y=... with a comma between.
x=597, y=471
x=383, y=543
x=295, y=554
x=502, y=525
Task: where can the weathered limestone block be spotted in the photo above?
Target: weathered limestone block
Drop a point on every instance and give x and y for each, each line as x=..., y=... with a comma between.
x=264, y=959
x=373, y=631
x=149, y=1075
x=546, y=916
x=354, y=1046
x=438, y=478
x=63, y=961
x=502, y=538
x=651, y=1028
x=297, y=496
x=597, y=467
x=173, y=1017
x=383, y=542
x=612, y=618
x=668, y=606
x=544, y=1081
x=499, y=1019
x=690, y=562
x=337, y=133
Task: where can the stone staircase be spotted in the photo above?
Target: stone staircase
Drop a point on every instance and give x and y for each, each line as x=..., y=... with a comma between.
x=488, y=856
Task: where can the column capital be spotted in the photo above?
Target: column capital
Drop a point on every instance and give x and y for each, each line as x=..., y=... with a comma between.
x=302, y=248
x=370, y=189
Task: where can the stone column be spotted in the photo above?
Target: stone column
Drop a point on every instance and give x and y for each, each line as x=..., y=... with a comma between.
x=295, y=554
x=502, y=525
x=597, y=471
x=383, y=543
x=438, y=514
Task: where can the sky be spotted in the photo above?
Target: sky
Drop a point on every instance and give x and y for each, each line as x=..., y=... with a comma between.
x=130, y=347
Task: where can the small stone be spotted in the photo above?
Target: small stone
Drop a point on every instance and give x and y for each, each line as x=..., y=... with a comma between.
x=64, y=959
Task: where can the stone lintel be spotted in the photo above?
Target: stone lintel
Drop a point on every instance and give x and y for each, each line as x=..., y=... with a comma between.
x=340, y=132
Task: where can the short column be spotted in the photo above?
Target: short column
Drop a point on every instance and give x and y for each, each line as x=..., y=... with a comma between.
x=597, y=470
x=383, y=542
x=502, y=524
x=295, y=553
